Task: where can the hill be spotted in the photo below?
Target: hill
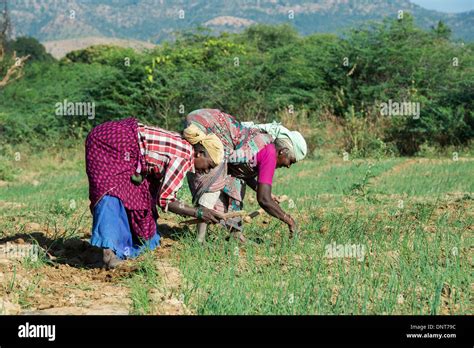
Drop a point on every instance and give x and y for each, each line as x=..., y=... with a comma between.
x=155, y=20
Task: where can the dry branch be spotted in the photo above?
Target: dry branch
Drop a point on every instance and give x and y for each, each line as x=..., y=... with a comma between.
x=15, y=71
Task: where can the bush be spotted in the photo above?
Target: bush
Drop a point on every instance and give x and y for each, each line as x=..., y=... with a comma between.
x=29, y=105
x=260, y=75
x=24, y=46
x=397, y=61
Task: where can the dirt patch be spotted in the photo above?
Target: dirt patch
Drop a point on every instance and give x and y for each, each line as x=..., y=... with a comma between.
x=169, y=299
x=448, y=303
x=443, y=160
x=62, y=289
x=72, y=251
x=69, y=279
x=9, y=308
x=97, y=310
x=11, y=205
x=171, y=275
x=453, y=206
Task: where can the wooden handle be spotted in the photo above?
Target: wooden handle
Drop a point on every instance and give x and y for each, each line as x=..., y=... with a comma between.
x=230, y=215
x=246, y=217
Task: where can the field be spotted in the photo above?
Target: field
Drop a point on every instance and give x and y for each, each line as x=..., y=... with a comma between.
x=387, y=236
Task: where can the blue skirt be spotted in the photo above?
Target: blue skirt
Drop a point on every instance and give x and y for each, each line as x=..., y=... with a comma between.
x=111, y=230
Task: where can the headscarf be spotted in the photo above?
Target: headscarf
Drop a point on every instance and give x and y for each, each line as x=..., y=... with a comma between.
x=295, y=141
x=211, y=142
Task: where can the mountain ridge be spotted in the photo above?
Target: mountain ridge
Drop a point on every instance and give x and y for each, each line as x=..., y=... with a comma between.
x=158, y=20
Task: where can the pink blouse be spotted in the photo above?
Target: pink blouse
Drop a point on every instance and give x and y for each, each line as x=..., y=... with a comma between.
x=266, y=164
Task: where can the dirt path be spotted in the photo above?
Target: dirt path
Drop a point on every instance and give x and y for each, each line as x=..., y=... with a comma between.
x=168, y=298
x=394, y=170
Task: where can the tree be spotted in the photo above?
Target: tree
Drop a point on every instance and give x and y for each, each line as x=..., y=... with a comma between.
x=29, y=46
x=267, y=37
x=11, y=67
x=442, y=30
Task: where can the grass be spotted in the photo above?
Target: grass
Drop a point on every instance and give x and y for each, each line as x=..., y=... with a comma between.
x=413, y=217
x=431, y=178
x=417, y=259
x=141, y=284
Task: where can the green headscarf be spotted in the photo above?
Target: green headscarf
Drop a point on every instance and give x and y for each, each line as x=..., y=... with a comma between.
x=277, y=131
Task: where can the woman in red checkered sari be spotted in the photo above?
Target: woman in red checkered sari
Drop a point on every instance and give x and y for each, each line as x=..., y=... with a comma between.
x=132, y=168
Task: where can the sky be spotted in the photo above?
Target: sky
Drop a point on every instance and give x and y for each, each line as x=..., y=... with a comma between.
x=451, y=6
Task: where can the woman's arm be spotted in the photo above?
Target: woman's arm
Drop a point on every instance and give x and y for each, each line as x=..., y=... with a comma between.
x=266, y=201
x=207, y=215
x=252, y=183
x=172, y=181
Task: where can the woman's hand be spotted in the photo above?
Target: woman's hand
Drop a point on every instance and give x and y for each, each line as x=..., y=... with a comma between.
x=210, y=216
x=206, y=215
x=291, y=226
x=279, y=199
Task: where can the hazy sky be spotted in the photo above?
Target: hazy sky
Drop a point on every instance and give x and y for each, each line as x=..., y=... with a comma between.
x=446, y=5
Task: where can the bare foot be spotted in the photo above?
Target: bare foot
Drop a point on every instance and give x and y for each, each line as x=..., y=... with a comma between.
x=110, y=259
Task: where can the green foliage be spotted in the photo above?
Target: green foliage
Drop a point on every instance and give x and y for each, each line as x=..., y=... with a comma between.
x=253, y=75
x=397, y=61
x=267, y=37
x=259, y=75
x=442, y=30
x=29, y=105
x=362, y=189
x=363, y=137
x=24, y=46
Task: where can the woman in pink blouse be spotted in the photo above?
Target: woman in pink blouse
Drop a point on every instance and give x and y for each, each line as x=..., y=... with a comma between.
x=252, y=153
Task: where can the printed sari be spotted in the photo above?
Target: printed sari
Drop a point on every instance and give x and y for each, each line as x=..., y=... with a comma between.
x=241, y=145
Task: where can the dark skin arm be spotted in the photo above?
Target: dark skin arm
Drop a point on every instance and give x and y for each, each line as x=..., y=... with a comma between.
x=252, y=183
x=209, y=216
x=266, y=201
